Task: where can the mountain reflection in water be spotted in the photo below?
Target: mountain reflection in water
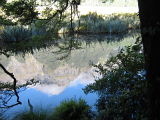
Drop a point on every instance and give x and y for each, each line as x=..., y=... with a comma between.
x=61, y=79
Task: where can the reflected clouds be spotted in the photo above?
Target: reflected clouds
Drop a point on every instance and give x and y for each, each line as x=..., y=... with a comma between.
x=53, y=82
x=56, y=75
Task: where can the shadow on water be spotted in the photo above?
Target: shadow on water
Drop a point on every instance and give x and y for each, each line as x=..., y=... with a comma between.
x=61, y=46
x=69, y=42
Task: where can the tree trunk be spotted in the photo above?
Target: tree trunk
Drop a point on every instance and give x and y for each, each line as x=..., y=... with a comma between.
x=150, y=31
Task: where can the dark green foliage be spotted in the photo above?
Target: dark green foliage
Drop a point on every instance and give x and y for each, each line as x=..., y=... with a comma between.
x=24, y=10
x=40, y=24
x=15, y=34
x=19, y=40
x=2, y=2
x=72, y=110
x=122, y=88
x=4, y=21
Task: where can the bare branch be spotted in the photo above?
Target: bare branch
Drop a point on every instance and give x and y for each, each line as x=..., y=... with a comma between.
x=14, y=86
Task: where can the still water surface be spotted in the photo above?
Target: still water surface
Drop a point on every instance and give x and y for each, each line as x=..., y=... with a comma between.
x=62, y=69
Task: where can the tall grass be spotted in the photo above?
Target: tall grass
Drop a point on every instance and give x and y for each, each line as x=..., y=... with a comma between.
x=94, y=23
x=115, y=23
x=15, y=34
x=22, y=34
x=73, y=110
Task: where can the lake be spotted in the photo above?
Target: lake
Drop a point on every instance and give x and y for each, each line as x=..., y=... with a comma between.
x=63, y=69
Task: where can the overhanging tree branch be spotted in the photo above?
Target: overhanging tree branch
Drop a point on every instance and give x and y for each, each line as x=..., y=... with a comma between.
x=58, y=12
x=14, y=87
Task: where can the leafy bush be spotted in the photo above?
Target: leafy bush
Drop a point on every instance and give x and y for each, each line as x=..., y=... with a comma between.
x=39, y=24
x=15, y=34
x=24, y=11
x=72, y=110
x=121, y=90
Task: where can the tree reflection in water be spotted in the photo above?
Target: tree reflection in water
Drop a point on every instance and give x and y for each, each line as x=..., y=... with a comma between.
x=66, y=46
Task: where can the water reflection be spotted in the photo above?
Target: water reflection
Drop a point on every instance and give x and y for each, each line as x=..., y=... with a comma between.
x=51, y=82
x=66, y=46
x=61, y=66
x=10, y=90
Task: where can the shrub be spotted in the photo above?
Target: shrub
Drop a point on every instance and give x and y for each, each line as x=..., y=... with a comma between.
x=72, y=110
x=121, y=90
x=15, y=34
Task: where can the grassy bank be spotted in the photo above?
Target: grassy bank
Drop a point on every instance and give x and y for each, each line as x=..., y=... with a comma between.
x=111, y=24
x=91, y=23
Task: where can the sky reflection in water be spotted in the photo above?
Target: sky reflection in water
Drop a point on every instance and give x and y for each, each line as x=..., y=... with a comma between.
x=60, y=79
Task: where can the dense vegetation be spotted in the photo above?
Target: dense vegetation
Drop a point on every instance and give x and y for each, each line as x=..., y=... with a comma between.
x=94, y=23
x=113, y=24
x=90, y=23
x=122, y=88
x=72, y=110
